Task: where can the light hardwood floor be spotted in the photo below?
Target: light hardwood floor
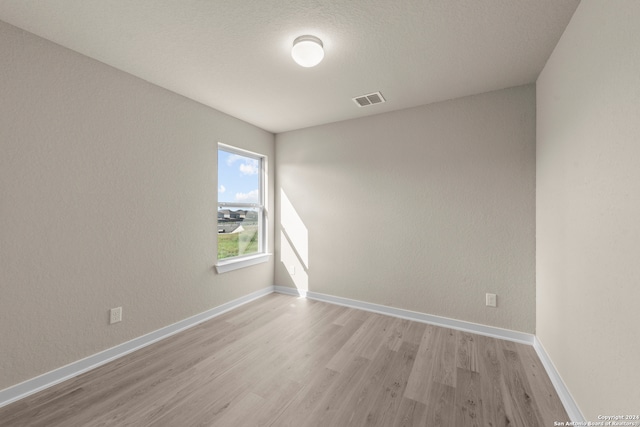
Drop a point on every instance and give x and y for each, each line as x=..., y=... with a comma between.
x=285, y=361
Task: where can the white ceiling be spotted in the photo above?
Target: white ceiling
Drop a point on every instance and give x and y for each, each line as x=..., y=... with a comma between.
x=234, y=55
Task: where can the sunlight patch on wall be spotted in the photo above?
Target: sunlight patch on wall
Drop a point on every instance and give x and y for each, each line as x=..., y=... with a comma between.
x=294, y=244
x=293, y=265
x=294, y=228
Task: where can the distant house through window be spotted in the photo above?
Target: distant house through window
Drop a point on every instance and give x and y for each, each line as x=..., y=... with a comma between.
x=241, y=212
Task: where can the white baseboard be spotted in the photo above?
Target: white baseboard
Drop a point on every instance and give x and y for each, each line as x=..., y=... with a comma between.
x=461, y=325
x=563, y=392
x=59, y=375
x=56, y=376
x=565, y=397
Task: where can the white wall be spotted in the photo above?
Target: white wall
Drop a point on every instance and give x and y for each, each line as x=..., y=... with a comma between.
x=588, y=207
x=107, y=198
x=424, y=209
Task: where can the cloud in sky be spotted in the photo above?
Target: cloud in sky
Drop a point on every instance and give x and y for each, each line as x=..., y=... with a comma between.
x=232, y=158
x=248, y=166
x=221, y=189
x=250, y=197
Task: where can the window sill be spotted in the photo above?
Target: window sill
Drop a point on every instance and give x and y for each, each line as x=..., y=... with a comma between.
x=225, y=266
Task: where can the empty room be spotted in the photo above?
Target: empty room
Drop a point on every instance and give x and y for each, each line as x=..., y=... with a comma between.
x=319, y=213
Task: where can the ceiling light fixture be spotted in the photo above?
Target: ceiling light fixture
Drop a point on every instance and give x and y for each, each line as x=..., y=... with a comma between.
x=307, y=51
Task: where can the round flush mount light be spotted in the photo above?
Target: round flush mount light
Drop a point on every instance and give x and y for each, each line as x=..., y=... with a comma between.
x=307, y=51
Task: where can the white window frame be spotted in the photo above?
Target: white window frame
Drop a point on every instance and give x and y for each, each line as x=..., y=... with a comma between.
x=241, y=261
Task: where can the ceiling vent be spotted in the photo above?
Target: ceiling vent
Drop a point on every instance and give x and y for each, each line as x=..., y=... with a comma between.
x=370, y=99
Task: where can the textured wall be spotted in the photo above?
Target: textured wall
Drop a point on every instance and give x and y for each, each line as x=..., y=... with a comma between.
x=588, y=207
x=424, y=209
x=107, y=198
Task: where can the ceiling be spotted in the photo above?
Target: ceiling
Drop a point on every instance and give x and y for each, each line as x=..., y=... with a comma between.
x=235, y=55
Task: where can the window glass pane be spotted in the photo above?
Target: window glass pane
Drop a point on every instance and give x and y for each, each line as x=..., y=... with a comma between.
x=238, y=178
x=240, y=204
x=238, y=231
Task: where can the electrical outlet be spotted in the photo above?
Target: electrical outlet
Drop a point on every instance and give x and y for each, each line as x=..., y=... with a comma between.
x=292, y=270
x=492, y=300
x=115, y=315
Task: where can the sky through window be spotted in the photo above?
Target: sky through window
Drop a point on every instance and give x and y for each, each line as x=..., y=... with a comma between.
x=238, y=178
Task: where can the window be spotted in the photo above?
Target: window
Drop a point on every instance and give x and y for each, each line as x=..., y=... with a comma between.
x=241, y=211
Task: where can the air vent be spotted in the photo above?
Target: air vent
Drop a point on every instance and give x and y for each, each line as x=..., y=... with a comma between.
x=370, y=99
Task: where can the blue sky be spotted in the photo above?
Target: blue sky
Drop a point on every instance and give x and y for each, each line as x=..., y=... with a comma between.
x=238, y=178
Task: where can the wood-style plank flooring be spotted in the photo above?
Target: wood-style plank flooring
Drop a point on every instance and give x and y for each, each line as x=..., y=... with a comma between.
x=285, y=361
